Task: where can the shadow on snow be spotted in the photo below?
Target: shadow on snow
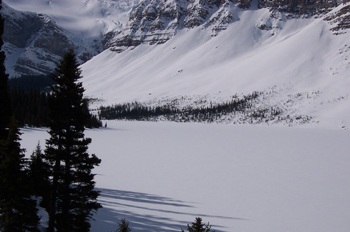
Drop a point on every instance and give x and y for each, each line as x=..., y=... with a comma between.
x=144, y=212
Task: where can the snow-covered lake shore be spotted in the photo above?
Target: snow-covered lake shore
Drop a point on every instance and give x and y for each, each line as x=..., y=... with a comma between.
x=160, y=176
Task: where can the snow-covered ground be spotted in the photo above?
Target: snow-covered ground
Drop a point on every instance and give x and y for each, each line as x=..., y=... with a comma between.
x=296, y=57
x=300, y=60
x=160, y=176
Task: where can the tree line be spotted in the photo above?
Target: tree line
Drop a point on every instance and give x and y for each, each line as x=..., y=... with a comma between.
x=26, y=83
x=210, y=113
x=31, y=107
x=62, y=174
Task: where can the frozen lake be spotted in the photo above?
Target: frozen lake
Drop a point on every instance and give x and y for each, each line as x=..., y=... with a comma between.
x=160, y=176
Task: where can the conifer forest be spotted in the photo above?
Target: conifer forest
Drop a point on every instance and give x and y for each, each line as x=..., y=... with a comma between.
x=59, y=177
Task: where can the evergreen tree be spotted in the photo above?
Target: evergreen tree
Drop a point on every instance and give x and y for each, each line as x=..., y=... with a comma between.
x=38, y=174
x=5, y=103
x=197, y=226
x=73, y=199
x=18, y=212
x=123, y=226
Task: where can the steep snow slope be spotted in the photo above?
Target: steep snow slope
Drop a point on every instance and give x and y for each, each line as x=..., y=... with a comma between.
x=299, y=60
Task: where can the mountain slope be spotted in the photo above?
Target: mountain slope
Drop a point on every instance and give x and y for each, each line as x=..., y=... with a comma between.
x=300, y=61
x=204, y=52
x=34, y=43
x=38, y=33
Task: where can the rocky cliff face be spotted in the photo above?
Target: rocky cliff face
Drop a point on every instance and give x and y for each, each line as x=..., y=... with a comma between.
x=304, y=7
x=156, y=21
x=34, y=43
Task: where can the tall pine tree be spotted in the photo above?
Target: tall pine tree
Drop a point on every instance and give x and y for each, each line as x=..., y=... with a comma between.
x=18, y=212
x=38, y=174
x=5, y=103
x=73, y=199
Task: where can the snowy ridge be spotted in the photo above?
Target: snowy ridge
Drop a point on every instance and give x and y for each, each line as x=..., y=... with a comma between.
x=263, y=50
x=34, y=43
x=41, y=31
x=157, y=21
x=184, y=48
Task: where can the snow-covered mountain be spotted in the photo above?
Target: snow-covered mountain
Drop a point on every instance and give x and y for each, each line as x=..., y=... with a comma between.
x=299, y=63
x=38, y=33
x=295, y=53
x=34, y=43
x=160, y=176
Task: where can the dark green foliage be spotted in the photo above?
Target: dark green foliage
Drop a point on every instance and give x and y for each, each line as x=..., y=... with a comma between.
x=30, y=108
x=197, y=226
x=138, y=111
x=30, y=96
x=92, y=120
x=39, y=176
x=26, y=83
x=73, y=199
x=18, y=212
x=5, y=103
x=123, y=226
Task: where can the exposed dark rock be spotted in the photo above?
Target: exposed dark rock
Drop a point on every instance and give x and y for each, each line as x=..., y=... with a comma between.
x=309, y=7
x=24, y=26
x=341, y=20
x=156, y=21
x=35, y=43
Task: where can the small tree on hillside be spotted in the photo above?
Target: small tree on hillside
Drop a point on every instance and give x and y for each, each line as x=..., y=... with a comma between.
x=123, y=226
x=197, y=226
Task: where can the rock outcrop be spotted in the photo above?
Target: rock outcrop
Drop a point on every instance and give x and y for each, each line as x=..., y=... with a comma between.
x=156, y=21
x=34, y=43
x=340, y=20
x=305, y=7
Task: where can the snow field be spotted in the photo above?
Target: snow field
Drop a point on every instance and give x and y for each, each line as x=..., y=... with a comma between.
x=160, y=176
x=296, y=56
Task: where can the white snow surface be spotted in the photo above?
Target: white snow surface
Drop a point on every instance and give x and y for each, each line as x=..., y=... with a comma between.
x=299, y=56
x=160, y=176
x=300, y=59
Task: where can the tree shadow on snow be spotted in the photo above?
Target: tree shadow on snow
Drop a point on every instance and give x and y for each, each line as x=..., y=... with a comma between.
x=144, y=212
